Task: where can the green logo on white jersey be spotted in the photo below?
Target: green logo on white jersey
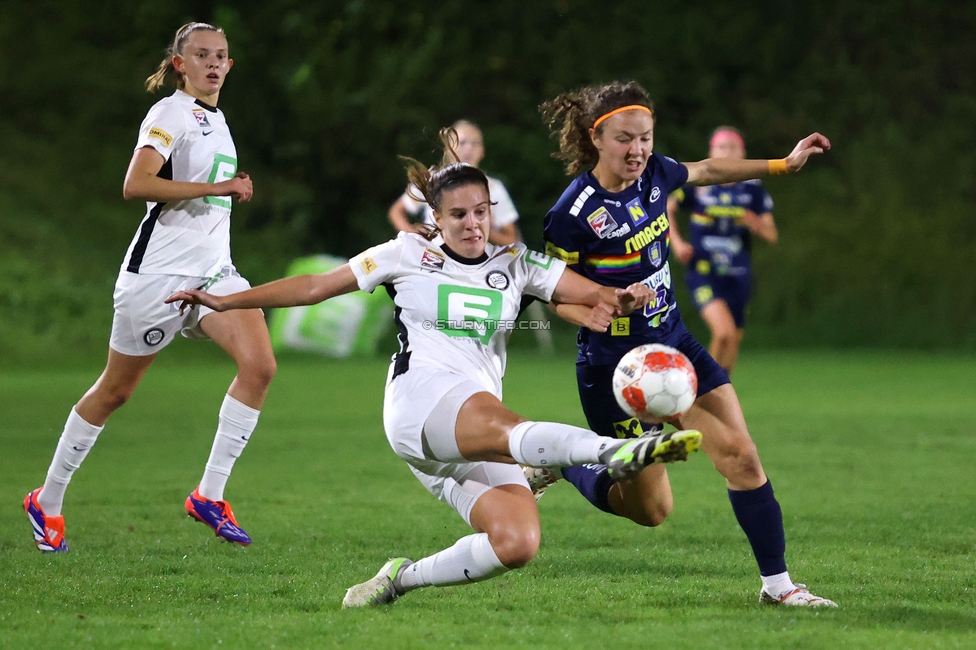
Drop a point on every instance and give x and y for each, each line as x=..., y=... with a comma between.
x=539, y=259
x=468, y=313
x=224, y=169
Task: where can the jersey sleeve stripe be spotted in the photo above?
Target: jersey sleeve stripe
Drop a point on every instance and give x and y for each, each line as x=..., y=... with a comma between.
x=570, y=257
x=581, y=199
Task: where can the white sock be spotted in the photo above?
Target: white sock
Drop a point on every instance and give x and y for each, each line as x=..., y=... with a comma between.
x=470, y=559
x=548, y=444
x=234, y=428
x=778, y=584
x=76, y=440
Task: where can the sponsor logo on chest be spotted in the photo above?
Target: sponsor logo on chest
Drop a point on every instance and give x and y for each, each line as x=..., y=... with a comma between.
x=601, y=222
x=201, y=117
x=431, y=260
x=646, y=236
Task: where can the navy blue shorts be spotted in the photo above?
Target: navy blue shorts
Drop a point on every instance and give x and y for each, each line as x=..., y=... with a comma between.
x=735, y=290
x=595, y=384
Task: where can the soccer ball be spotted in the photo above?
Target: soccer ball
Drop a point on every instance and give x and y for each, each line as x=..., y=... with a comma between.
x=653, y=382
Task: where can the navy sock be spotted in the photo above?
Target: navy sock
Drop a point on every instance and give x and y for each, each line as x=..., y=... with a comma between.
x=761, y=519
x=593, y=482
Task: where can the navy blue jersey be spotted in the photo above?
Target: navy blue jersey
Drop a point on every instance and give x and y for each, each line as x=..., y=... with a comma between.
x=718, y=232
x=617, y=239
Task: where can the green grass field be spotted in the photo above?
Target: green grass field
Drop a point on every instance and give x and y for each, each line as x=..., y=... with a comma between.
x=871, y=455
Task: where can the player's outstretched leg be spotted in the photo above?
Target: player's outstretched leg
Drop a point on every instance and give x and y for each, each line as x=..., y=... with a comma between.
x=799, y=596
x=48, y=531
x=629, y=459
x=218, y=515
x=381, y=589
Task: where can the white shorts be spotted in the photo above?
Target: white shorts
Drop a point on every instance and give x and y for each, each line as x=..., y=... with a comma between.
x=144, y=324
x=419, y=414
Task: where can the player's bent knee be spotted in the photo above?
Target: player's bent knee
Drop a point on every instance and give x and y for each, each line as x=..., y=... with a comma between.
x=739, y=460
x=726, y=338
x=650, y=515
x=258, y=371
x=112, y=398
x=515, y=546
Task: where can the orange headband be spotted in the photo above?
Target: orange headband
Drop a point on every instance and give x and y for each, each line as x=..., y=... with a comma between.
x=632, y=107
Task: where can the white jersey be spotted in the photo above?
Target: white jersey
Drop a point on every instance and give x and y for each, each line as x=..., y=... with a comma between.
x=454, y=314
x=190, y=237
x=503, y=214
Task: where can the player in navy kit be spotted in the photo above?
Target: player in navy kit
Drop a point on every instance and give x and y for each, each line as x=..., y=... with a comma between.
x=723, y=220
x=185, y=167
x=611, y=225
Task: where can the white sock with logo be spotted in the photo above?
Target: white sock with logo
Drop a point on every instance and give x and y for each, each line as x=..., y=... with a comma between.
x=549, y=444
x=234, y=428
x=471, y=559
x=777, y=585
x=76, y=441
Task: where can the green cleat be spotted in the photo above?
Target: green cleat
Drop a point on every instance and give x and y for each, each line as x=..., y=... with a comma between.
x=630, y=458
x=381, y=589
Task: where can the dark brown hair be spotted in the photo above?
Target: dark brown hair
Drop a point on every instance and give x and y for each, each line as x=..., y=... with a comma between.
x=165, y=70
x=571, y=116
x=433, y=182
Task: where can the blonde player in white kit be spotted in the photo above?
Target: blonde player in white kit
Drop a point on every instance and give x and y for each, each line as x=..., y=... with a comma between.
x=457, y=298
x=185, y=168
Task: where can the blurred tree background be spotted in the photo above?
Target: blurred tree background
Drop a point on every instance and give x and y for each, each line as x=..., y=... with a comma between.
x=878, y=238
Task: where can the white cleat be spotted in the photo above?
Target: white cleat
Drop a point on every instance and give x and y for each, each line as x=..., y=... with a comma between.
x=800, y=596
x=540, y=478
x=380, y=589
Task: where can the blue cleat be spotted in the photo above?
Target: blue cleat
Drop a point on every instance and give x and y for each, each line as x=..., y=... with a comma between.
x=218, y=515
x=48, y=531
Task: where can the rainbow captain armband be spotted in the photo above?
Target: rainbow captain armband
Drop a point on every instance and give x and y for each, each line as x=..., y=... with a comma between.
x=778, y=166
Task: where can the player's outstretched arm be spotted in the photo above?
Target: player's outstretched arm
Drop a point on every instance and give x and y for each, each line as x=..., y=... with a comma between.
x=597, y=318
x=714, y=171
x=287, y=292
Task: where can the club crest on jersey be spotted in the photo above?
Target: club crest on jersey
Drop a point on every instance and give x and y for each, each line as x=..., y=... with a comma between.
x=654, y=254
x=497, y=280
x=432, y=260
x=655, y=194
x=201, y=117
x=601, y=222
x=637, y=213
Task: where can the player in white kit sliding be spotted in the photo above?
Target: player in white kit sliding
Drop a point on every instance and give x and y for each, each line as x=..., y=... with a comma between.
x=457, y=298
x=185, y=168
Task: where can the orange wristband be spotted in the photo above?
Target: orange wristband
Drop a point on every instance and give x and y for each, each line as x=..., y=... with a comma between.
x=778, y=167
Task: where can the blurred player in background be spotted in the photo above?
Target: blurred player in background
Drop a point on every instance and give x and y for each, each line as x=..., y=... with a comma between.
x=717, y=252
x=470, y=149
x=611, y=225
x=185, y=168
x=442, y=411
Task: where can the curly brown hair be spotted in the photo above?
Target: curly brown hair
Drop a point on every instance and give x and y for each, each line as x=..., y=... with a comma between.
x=433, y=182
x=571, y=116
